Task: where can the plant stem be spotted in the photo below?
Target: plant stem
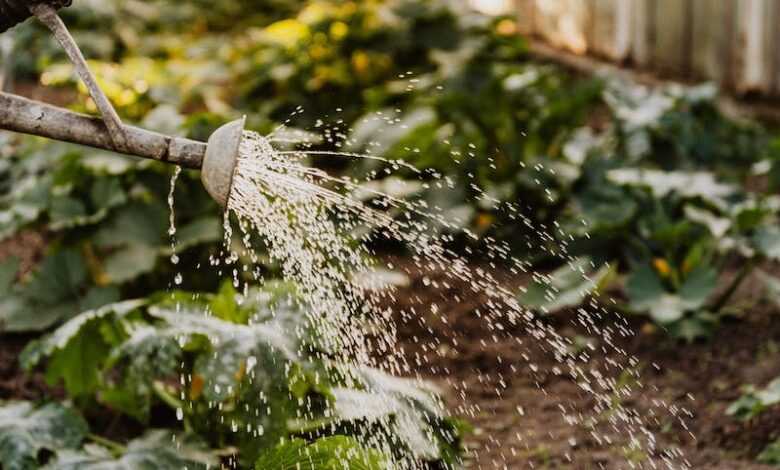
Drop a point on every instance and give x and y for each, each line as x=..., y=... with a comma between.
x=170, y=400
x=723, y=299
x=116, y=448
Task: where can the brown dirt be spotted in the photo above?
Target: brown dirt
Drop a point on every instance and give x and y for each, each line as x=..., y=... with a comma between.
x=700, y=378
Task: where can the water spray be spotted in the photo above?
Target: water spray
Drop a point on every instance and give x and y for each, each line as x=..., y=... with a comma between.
x=216, y=159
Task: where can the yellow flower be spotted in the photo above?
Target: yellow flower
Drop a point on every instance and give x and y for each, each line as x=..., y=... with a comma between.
x=318, y=52
x=316, y=12
x=339, y=30
x=506, y=27
x=662, y=267
x=360, y=62
x=196, y=387
x=286, y=33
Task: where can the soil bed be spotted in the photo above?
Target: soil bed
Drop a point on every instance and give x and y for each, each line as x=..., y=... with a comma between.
x=524, y=426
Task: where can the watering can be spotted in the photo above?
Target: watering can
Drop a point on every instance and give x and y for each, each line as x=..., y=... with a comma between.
x=216, y=159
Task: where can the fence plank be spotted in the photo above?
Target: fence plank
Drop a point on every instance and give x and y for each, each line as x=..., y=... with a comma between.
x=526, y=12
x=713, y=39
x=671, y=51
x=642, y=35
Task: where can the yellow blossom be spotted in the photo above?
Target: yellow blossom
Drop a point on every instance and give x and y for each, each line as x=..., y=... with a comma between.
x=339, y=30
x=662, y=267
x=506, y=27
x=286, y=32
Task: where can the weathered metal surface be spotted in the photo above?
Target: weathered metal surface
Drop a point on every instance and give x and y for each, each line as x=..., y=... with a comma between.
x=48, y=16
x=31, y=117
x=219, y=165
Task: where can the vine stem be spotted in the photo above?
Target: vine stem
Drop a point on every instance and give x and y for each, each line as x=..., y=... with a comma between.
x=116, y=448
x=723, y=299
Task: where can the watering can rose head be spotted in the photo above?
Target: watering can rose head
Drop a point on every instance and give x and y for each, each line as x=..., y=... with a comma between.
x=13, y=12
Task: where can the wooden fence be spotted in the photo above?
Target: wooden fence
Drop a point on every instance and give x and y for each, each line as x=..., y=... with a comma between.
x=735, y=43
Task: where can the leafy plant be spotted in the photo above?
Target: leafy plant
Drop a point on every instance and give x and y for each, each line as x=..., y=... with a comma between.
x=328, y=453
x=26, y=431
x=239, y=370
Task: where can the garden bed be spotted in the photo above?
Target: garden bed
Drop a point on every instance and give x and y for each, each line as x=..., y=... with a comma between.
x=711, y=372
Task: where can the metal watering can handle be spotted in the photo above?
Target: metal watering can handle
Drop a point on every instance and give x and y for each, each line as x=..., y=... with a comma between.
x=48, y=16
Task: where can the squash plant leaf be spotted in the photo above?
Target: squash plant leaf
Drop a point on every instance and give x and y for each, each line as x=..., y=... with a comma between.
x=767, y=241
x=327, y=453
x=565, y=287
x=26, y=430
x=58, y=290
x=647, y=293
x=157, y=449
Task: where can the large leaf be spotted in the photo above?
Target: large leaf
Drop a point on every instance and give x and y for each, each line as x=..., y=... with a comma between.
x=565, y=287
x=78, y=349
x=328, y=453
x=767, y=241
x=648, y=294
x=156, y=450
x=57, y=291
x=26, y=430
x=408, y=410
x=661, y=183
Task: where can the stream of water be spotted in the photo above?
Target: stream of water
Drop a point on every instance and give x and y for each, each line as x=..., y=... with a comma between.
x=319, y=230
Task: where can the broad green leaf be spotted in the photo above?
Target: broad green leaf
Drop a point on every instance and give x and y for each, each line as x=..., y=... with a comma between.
x=26, y=430
x=754, y=401
x=565, y=287
x=8, y=270
x=78, y=349
x=60, y=277
x=129, y=262
x=767, y=241
x=156, y=450
x=56, y=292
x=771, y=454
x=407, y=408
x=661, y=183
x=698, y=286
x=199, y=232
x=328, y=453
x=141, y=224
x=648, y=294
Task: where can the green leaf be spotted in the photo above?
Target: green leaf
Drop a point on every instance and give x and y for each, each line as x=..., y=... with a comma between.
x=8, y=270
x=129, y=262
x=565, y=287
x=647, y=293
x=755, y=401
x=698, y=286
x=78, y=350
x=135, y=224
x=199, y=232
x=83, y=324
x=767, y=242
x=771, y=454
x=407, y=408
x=108, y=193
x=328, y=453
x=55, y=293
x=26, y=430
x=60, y=277
x=157, y=449
x=224, y=305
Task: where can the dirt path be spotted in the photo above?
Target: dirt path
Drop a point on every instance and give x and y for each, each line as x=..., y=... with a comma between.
x=524, y=427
